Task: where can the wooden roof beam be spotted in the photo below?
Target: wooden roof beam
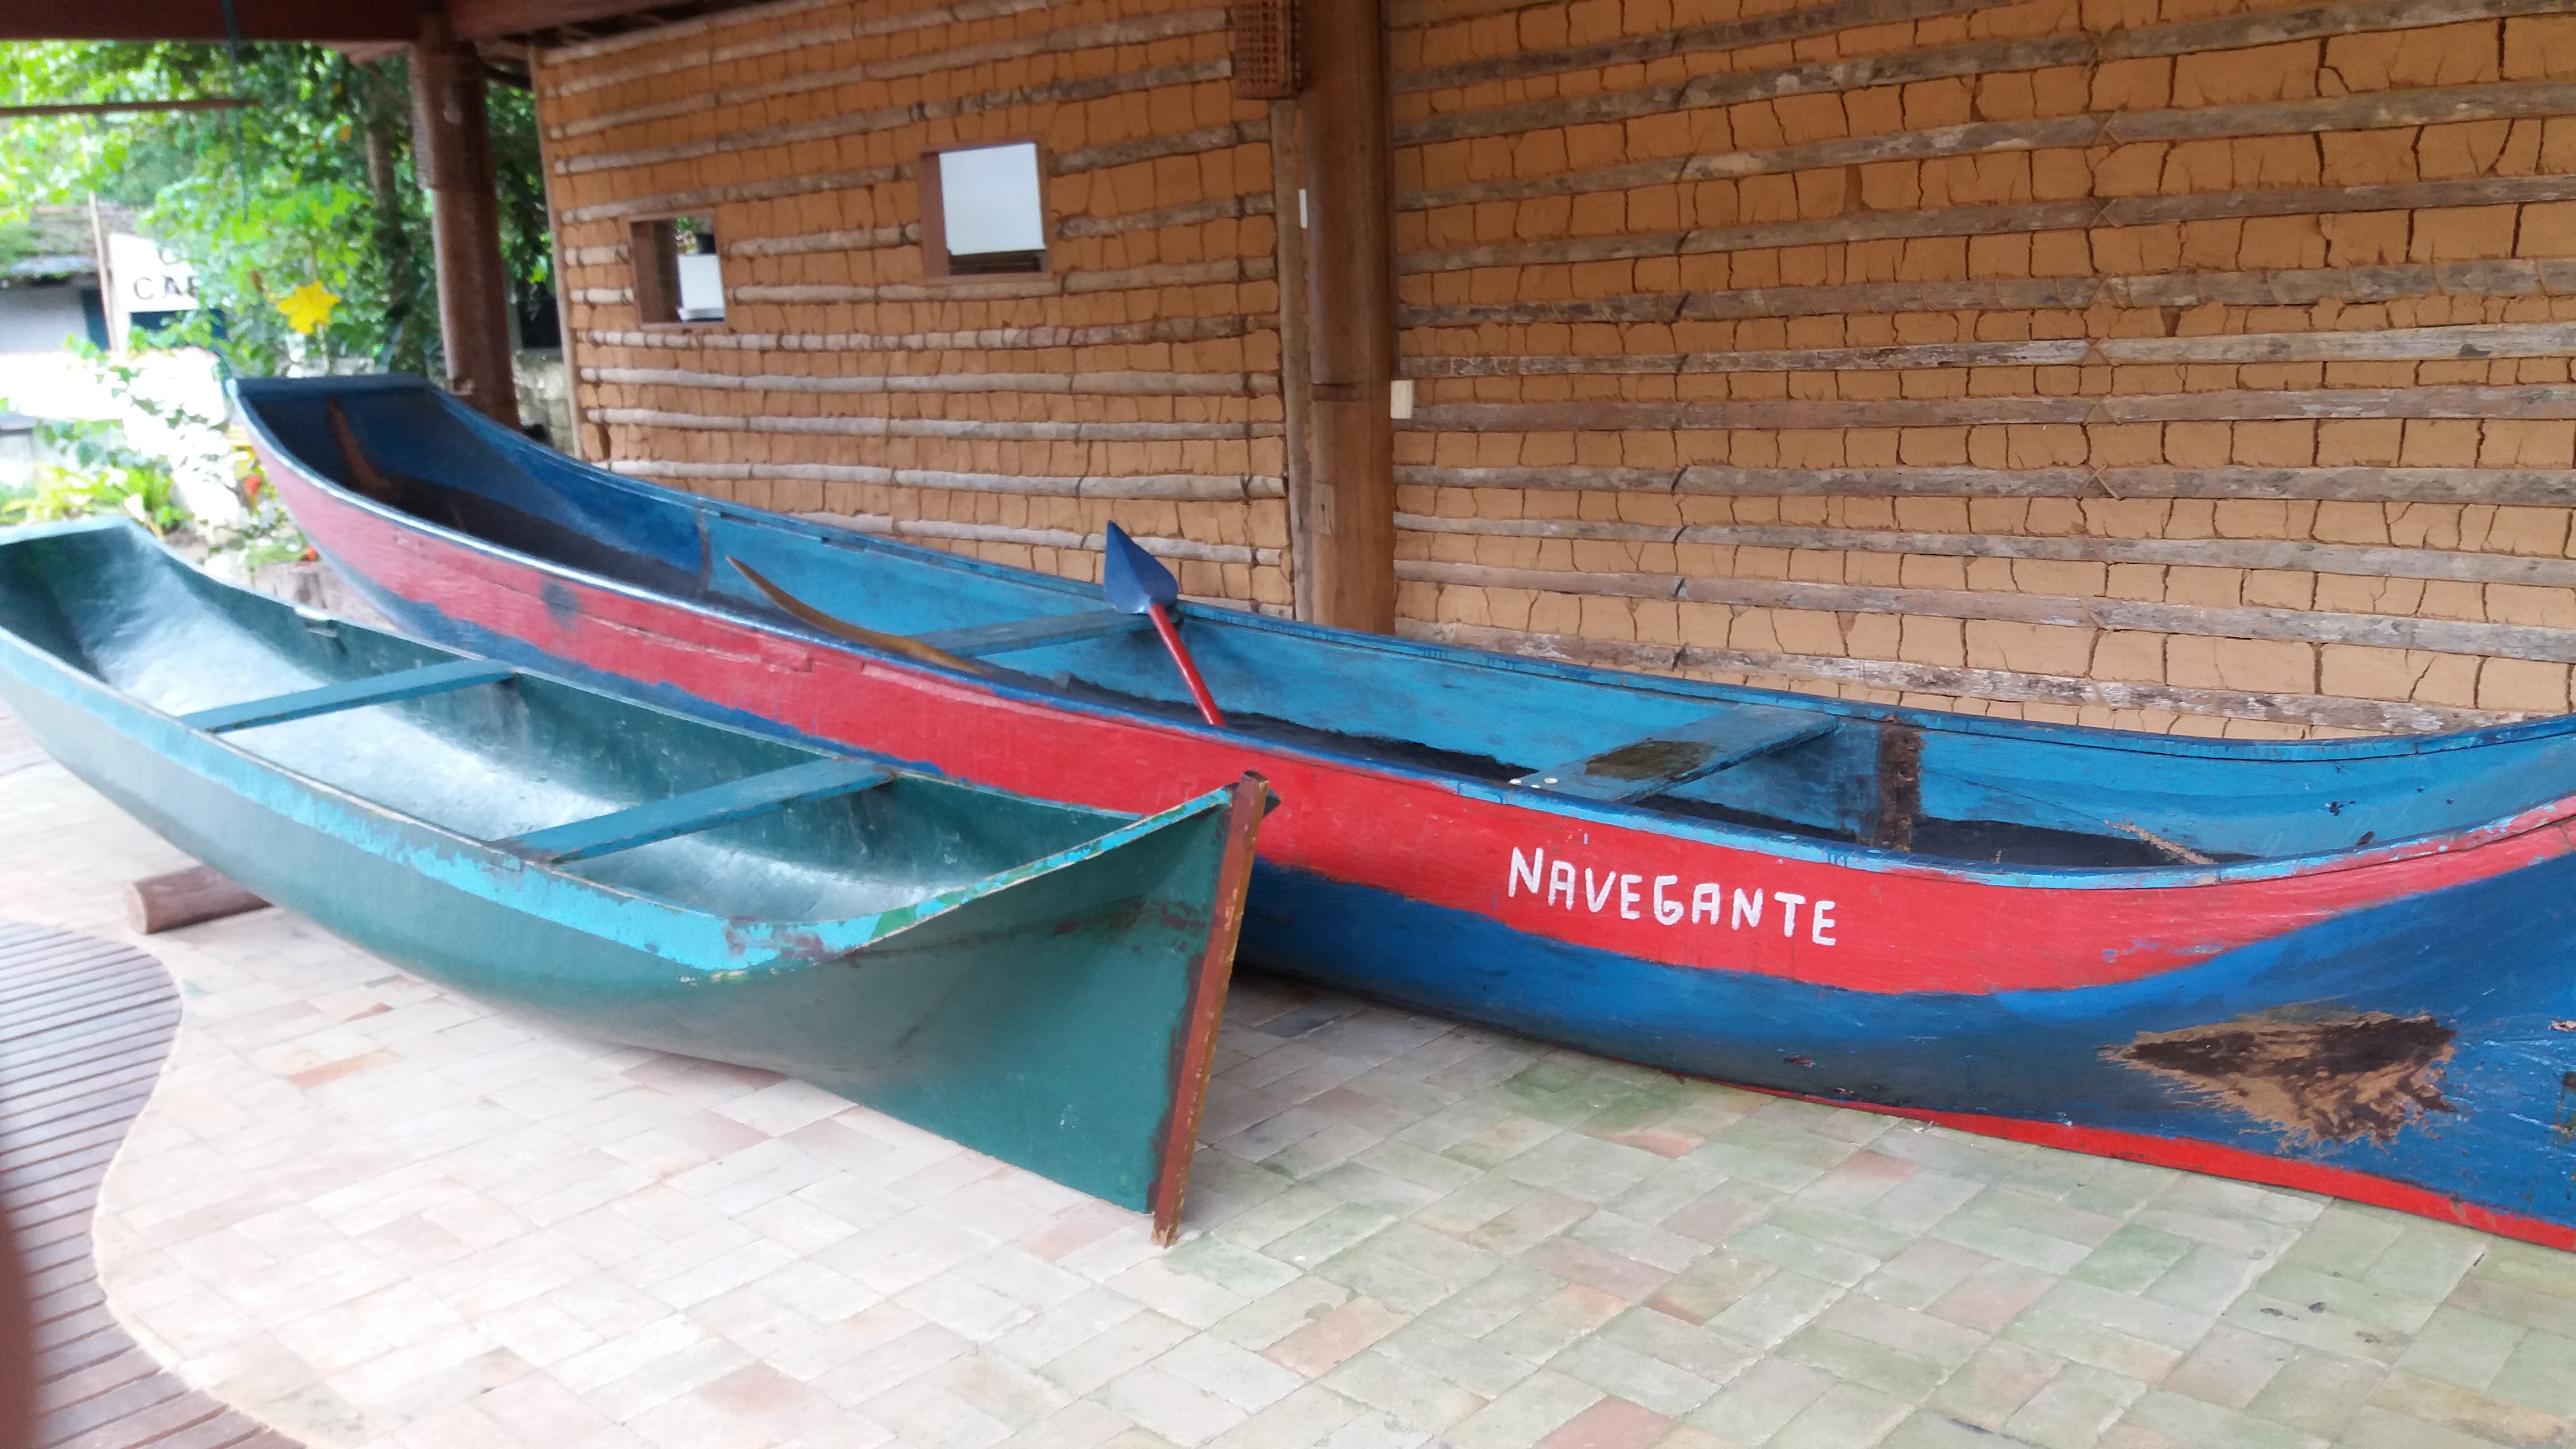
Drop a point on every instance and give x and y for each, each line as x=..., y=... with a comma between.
x=327, y=21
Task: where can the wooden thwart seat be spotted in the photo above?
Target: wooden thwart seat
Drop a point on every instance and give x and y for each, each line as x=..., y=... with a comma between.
x=353, y=694
x=1679, y=755
x=697, y=810
x=982, y=639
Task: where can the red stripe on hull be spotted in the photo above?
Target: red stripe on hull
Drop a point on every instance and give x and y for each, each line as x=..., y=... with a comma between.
x=1891, y=927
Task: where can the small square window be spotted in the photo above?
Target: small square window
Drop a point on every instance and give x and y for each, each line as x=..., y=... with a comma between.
x=678, y=277
x=983, y=212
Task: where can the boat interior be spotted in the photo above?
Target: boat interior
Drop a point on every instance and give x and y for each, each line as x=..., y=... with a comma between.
x=633, y=798
x=1945, y=786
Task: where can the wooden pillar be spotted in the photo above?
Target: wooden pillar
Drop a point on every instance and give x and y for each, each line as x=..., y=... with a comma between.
x=1287, y=183
x=452, y=150
x=1350, y=274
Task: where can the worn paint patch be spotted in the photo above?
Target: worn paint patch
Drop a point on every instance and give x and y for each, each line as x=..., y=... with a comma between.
x=2335, y=1078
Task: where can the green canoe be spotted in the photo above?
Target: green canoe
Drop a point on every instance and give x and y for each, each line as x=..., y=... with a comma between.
x=1036, y=981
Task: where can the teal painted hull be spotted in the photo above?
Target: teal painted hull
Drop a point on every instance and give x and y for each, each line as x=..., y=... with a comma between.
x=1031, y=983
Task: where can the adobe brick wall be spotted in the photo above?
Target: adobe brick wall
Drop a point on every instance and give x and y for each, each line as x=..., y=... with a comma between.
x=2190, y=366
x=2193, y=366
x=1004, y=417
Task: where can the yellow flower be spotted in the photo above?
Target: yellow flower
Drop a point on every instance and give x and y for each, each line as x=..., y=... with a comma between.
x=308, y=307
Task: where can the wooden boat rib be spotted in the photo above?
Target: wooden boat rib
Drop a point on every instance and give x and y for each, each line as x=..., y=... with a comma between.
x=1040, y=982
x=2337, y=965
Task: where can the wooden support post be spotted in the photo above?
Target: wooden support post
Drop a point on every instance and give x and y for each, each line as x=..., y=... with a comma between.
x=1287, y=184
x=1350, y=206
x=452, y=149
x=1900, y=785
x=183, y=898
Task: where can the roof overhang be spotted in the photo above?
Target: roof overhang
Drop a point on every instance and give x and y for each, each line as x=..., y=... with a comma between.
x=334, y=21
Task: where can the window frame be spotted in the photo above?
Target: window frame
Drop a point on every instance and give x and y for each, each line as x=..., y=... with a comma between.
x=935, y=265
x=655, y=308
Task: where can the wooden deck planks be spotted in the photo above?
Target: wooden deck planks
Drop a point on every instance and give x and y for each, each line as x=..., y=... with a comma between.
x=84, y=1026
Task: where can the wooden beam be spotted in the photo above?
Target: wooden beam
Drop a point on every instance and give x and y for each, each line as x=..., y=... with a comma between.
x=871, y=426
x=183, y=898
x=1190, y=487
x=373, y=689
x=489, y=19
x=1296, y=348
x=1958, y=682
x=2539, y=487
x=452, y=144
x=204, y=20
x=319, y=20
x=1116, y=334
x=1014, y=635
x=2313, y=626
x=119, y=108
x=1670, y=758
x=2440, y=400
x=1350, y=272
x=2517, y=277
x=697, y=810
x=747, y=98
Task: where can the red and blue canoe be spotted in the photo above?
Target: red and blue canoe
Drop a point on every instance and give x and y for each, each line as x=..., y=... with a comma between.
x=2346, y=966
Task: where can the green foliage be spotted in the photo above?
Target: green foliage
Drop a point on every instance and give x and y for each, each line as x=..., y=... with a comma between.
x=92, y=469
x=313, y=182
x=86, y=466
x=17, y=241
x=90, y=466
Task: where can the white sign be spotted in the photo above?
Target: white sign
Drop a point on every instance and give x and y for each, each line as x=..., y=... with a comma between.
x=989, y=200
x=144, y=281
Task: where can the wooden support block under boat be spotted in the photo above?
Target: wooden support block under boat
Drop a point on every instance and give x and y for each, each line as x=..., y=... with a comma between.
x=200, y=893
x=1900, y=785
x=1682, y=754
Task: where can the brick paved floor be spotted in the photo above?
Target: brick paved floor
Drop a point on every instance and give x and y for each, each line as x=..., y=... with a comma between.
x=374, y=1213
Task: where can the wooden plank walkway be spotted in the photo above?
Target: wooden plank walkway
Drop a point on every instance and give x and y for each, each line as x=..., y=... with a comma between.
x=84, y=1026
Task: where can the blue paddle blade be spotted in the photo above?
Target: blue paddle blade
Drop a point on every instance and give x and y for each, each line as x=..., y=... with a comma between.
x=1134, y=580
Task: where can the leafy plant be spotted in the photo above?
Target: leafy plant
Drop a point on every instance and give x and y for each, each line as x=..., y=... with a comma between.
x=312, y=184
x=88, y=467
x=17, y=241
x=92, y=466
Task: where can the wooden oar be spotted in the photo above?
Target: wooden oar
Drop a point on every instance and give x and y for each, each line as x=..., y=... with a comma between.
x=891, y=643
x=364, y=476
x=1137, y=583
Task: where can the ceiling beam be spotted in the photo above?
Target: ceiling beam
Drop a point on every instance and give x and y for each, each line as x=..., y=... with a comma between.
x=338, y=21
x=491, y=19
x=115, y=108
x=204, y=19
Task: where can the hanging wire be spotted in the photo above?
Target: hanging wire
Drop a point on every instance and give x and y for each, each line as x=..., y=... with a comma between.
x=241, y=150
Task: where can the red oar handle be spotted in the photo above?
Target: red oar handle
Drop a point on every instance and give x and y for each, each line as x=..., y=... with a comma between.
x=1189, y=667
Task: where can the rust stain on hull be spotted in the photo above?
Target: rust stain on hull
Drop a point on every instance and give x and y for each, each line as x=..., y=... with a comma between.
x=2334, y=1078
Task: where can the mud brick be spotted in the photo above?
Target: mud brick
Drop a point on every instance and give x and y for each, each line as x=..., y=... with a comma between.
x=2548, y=230
x=2539, y=47
x=2462, y=149
x=2029, y=648
x=2440, y=443
x=2525, y=685
x=2463, y=233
